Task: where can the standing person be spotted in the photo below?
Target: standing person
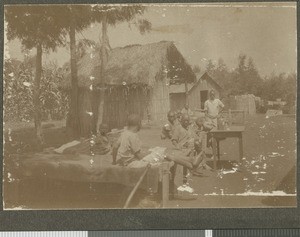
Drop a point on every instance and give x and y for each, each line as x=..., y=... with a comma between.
x=213, y=107
x=168, y=128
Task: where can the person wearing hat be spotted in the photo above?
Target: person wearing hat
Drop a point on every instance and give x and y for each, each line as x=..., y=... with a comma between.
x=213, y=107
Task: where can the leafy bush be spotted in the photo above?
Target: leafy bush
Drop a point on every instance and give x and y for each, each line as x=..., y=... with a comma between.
x=18, y=92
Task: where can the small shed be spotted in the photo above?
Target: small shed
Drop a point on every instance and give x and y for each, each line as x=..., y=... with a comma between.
x=136, y=80
x=244, y=103
x=197, y=93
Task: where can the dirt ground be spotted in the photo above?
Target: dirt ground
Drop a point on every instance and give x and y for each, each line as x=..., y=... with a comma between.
x=266, y=176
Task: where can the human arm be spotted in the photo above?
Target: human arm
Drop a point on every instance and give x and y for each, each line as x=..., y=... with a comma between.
x=221, y=106
x=115, y=151
x=175, y=138
x=205, y=110
x=135, y=146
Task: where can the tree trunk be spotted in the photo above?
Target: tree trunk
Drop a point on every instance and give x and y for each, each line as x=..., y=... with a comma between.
x=74, y=126
x=105, y=47
x=36, y=95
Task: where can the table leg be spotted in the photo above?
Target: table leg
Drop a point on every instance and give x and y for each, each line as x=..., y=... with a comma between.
x=241, y=147
x=218, y=149
x=214, y=144
x=184, y=171
x=165, y=183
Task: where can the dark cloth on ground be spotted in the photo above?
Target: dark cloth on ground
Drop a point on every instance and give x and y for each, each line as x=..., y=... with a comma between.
x=100, y=145
x=85, y=168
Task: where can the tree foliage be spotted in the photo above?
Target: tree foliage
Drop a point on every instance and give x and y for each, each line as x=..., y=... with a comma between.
x=18, y=92
x=245, y=79
x=34, y=25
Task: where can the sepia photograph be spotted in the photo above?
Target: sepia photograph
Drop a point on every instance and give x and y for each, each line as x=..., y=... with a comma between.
x=149, y=106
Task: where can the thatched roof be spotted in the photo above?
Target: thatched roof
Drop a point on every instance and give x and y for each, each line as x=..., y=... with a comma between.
x=135, y=64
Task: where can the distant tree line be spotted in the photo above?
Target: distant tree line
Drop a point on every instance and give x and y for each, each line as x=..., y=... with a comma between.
x=245, y=79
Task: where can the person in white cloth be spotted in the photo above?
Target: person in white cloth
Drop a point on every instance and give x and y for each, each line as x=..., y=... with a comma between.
x=213, y=107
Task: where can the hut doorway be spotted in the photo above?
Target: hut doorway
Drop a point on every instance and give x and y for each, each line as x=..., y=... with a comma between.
x=177, y=101
x=203, y=97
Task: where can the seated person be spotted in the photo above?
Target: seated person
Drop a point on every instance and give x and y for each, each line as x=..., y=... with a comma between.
x=187, y=110
x=128, y=146
x=201, y=129
x=98, y=144
x=168, y=129
x=102, y=144
x=201, y=125
x=183, y=140
x=178, y=115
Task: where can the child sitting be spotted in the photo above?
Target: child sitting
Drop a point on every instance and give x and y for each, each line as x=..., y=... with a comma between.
x=201, y=125
x=183, y=141
x=128, y=146
x=102, y=144
x=168, y=128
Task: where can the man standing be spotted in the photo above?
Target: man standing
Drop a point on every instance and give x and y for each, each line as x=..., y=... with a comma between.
x=213, y=107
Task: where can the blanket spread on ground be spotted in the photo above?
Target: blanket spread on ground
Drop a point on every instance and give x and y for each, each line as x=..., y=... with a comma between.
x=86, y=168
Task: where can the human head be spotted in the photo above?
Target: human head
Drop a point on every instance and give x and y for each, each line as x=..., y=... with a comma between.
x=185, y=120
x=103, y=128
x=178, y=114
x=186, y=106
x=200, y=121
x=171, y=117
x=134, y=122
x=212, y=94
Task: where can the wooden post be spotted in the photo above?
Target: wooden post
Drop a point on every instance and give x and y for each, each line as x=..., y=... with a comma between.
x=185, y=172
x=165, y=183
x=241, y=147
x=218, y=149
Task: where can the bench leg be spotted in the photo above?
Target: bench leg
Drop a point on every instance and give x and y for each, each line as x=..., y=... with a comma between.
x=165, y=184
x=218, y=149
x=185, y=172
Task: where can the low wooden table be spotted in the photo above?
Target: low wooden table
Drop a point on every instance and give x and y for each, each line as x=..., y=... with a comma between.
x=217, y=135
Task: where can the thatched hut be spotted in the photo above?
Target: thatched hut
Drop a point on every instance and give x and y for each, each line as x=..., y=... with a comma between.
x=136, y=80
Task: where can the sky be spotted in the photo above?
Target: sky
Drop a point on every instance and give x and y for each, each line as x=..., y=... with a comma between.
x=264, y=31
